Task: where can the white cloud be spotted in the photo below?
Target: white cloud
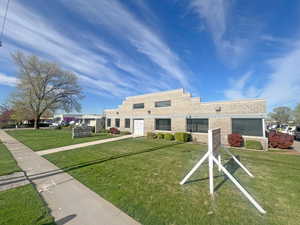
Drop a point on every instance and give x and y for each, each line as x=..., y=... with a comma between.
x=241, y=88
x=8, y=80
x=116, y=18
x=283, y=85
x=232, y=45
x=101, y=67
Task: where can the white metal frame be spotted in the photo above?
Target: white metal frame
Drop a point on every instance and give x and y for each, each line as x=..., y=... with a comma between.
x=210, y=155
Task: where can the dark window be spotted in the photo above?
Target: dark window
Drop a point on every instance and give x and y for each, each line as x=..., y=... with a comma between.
x=163, y=104
x=162, y=124
x=117, y=122
x=127, y=123
x=298, y=129
x=108, y=122
x=197, y=125
x=248, y=127
x=138, y=106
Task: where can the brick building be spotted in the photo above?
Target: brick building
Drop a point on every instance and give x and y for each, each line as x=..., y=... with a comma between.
x=177, y=111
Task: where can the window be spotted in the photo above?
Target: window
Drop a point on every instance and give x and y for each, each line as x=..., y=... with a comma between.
x=117, y=122
x=138, y=106
x=127, y=123
x=197, y=125
x=108, y=122
x=250, y=127
x=163, y=104
x=162, y=124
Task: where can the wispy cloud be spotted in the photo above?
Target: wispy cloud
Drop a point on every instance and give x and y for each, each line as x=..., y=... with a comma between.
x=241, y=88
x=119, y=20
x=100, y=66
x=283, y=85
x=8, y=80
x=233, y=40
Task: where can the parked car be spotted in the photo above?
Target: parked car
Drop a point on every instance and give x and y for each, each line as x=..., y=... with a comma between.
x=289, y=130
x=297, y=133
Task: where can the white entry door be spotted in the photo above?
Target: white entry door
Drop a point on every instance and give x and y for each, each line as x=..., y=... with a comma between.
x=138, y=126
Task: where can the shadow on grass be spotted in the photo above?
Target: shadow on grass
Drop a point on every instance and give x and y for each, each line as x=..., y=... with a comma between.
x=230, y=165
x=89, y=163
x=62, y=221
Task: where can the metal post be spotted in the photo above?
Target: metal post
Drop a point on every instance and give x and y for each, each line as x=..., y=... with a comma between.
x=194, y=168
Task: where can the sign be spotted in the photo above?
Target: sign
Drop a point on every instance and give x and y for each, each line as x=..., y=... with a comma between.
x=78, y=132
x=214, y=146
x=214, y=141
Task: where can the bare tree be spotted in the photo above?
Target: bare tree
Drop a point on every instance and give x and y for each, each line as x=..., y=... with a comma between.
x=43, y=87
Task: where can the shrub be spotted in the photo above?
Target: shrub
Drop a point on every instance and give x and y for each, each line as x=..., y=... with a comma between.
x=235, y=140
x=125, y=132
x=280, y=140
x=151, y=135
x=169, y=137
x=252, y=144
x=160, y=135
x=182, y=137
x=114, y=130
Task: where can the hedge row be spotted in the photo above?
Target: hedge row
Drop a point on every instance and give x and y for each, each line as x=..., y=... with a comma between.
x=178, y=136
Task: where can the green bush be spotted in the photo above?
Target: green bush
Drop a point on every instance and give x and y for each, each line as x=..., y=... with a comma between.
x=252, y=144
x=151, y=135
x=182, y=137
x=160, y=135
x=169, y=137
x=125, y=132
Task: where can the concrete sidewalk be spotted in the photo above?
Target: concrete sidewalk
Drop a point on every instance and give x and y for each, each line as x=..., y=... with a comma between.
x=13, y=180
x=65, y=196
x=81, y=145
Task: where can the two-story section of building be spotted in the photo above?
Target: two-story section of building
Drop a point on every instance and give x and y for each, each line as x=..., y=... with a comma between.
x=177, y=111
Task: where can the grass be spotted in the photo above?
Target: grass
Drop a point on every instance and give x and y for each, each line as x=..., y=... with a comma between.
x=7, y=162
x=142, y=177
x=50, y=138
x=23, y=206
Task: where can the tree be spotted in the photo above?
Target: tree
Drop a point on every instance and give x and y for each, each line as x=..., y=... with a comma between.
x=43, y=87
x=297, y=114
x=281, y=114
x=5, y=115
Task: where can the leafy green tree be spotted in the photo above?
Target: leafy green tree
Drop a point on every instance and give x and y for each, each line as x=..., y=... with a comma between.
x=43, y=87
x=297, y=114
x=281, y=114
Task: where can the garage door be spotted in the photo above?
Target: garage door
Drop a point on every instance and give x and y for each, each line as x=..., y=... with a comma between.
x=138, y=127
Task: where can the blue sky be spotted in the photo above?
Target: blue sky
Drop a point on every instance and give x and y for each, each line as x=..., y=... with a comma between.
x=215, y=49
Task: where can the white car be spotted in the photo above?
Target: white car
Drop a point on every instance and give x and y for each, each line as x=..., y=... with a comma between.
x=291, y=130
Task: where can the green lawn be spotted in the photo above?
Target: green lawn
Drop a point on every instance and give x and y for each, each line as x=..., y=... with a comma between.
x=7, y=162
x=23, y=206
x=50, y=138
x=142, y=177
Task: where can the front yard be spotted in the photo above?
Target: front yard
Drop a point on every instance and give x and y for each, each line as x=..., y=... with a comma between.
x=142, y=177
x=50, y=138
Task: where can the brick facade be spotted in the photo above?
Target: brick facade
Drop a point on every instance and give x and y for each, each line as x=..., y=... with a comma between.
x=184, y=106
